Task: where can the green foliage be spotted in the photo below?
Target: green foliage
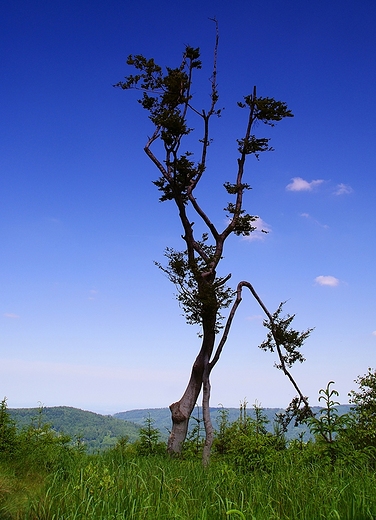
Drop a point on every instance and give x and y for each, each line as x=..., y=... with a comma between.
x=362, y=433
x=167, y=105
x=282, y=335
x=8, y=430
x=222, y=439
x=267, y=111
x=329, y=425
x=149, y=443
x=195, y=299
x=246, y=441
x=194, y=441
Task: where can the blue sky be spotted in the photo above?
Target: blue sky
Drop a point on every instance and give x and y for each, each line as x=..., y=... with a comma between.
x=86, y=318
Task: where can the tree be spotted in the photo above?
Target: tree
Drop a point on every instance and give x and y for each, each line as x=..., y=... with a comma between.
x=8, y=430
x=363, y=431
x=202, y=293
x=149, y=437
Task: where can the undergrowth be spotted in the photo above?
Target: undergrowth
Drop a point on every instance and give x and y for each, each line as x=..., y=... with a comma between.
x=253, y=474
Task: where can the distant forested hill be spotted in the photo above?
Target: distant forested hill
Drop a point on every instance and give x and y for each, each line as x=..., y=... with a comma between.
x=96, y=431
x=99, y=432
x=162, y=418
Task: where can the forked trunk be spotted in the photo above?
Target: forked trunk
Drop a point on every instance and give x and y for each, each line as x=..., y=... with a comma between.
x=182, y=409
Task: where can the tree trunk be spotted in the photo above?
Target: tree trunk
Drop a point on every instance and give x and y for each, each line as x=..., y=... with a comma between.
x=209, y=431
x=182, y=409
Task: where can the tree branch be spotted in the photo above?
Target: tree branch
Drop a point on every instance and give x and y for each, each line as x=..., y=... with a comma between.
x=274, y=331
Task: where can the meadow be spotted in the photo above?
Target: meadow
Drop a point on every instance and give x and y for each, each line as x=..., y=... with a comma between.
x=253, y=474
x=114, y=485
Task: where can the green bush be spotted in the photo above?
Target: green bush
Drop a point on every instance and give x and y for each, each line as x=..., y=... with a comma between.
x=8, y=431
x=246, y=442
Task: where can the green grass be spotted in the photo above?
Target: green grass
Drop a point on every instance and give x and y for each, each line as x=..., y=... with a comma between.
x=112, y=486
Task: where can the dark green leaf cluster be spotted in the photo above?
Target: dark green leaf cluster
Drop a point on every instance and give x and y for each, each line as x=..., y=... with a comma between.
x=182, y=172
x=195, y=297
x=254, y=145
x=150, y=77
x=242, y=220
x=234, y=189
x=282, y=335
x=164, y=96
x=296, y=413
x=266, y=110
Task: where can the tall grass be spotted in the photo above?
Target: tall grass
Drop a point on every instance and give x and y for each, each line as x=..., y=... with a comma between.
x=116, y=486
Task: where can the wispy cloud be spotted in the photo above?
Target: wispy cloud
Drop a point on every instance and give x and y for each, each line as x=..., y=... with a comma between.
x=374, y=333
x=93, y=294
x=262, y=229
x=331, y=281
x=308, y=216
x=255, y=317
x=11, y=316
x=343, y=189
x=299, y=184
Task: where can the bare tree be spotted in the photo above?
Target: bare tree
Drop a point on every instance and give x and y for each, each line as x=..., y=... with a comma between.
x=202, y=294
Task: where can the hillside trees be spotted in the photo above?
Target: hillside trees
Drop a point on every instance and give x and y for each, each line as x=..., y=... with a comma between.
x=203, y=293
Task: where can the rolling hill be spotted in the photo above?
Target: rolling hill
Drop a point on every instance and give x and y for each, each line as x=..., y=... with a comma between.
x=96, y=431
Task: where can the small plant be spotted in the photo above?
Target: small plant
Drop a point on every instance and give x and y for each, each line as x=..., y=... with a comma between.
x=221, y=441
x=149, y=443
x=329, y=423
x=195, y=440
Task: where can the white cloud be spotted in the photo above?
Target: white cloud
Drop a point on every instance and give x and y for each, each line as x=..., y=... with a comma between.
x=343, y=189
x=93, y=294
x=308, y=216
x=255, y=317
x=374, y=333
x=262, y=229
x=331, y=281
x=299, y=184
x=11, y=316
